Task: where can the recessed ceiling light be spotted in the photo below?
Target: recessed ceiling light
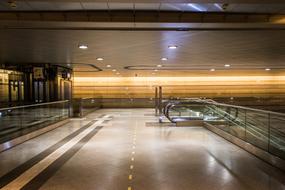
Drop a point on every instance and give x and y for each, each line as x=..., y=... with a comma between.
x=12, y=4
x=82, y=46
x=108, y=66
x=267, y=69
x=212, y=69
x=68, y=65
x=227, y=65
x=172, y=47
x=99, y=59
x=164, y=59
x=114, y=70
x=155, y=70
x=159, y=65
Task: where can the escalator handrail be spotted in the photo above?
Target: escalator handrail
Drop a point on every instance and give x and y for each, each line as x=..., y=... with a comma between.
x=209, y=101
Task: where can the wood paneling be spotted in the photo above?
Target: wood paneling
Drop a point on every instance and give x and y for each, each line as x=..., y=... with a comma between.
x=143, y=87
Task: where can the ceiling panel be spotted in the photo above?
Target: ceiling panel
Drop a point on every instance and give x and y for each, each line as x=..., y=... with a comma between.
x=2, y=6
x=171, y=7
x=245, y=8
x=54, y=6
x=95, y=6
x=121, y=6
x=147, y=6
x=197, y=50
x=277, y=8
x=214, y=7
x=42, y=5
x=21, y=6
x=67, y=6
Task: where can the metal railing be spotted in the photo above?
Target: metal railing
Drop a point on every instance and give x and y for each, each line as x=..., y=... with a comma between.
x=20, y=120
x=264, y=129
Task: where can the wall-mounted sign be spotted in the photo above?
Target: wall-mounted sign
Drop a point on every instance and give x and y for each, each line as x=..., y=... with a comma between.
x=38, y=73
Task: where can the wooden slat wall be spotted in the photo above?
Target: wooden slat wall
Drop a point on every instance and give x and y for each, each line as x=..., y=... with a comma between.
x=143, y=87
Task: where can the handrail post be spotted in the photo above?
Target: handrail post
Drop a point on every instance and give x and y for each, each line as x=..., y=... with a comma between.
x=81, y=107
x=269, y=131
x=245, y=125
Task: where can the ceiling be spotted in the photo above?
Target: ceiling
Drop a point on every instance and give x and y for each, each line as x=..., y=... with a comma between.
x=40, y=5
x=138, y=52
x=198, y=51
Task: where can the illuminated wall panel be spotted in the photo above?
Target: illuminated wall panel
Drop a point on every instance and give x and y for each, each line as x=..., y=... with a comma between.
x=143, y=87
x=4, y=88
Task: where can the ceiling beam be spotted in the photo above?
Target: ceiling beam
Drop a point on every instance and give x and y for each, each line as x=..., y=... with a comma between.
x=142, y=17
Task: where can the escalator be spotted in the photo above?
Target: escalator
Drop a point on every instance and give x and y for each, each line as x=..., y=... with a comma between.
x=263, y=129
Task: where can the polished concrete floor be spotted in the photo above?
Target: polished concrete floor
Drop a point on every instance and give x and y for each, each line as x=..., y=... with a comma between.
x=123, y=149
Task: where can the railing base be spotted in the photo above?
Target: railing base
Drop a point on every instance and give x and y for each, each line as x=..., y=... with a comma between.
x=263, y=155
x=190, y=123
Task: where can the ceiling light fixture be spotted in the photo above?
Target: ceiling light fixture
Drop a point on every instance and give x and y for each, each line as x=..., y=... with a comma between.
x=82, y=46
x=196, y=6
x=155, y=70
x=218, y=6
x=108, y=66
x=159, y=65
x=267, y=69
x=114, y=70
x=99, y=59
x=164, y=59
x=212, y=70
x=172, y=47
x=227, y=65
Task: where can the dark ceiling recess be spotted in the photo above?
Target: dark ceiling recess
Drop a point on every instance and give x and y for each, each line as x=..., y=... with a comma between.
x=140, y=16
x=162, y=1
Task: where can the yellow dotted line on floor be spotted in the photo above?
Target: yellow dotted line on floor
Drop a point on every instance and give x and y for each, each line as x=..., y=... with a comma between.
x=130, y=177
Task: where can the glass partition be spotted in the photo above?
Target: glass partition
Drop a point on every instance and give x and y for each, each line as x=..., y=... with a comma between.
x=277, y=135
x=89, y=104
x=16, y=121
x=257, y=126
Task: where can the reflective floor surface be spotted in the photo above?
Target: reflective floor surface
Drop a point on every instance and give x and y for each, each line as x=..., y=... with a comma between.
x=118, y=149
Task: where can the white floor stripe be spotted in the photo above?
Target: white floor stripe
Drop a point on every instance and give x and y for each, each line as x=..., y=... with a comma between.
x=27, y=176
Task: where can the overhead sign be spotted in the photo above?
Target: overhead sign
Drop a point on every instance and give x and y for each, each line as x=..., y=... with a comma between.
x=38, y=72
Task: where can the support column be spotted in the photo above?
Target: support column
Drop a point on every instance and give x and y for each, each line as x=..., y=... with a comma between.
x=160, y=100
x=156, y=101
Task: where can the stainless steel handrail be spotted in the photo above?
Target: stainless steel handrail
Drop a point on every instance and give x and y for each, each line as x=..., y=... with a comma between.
x=33, y=105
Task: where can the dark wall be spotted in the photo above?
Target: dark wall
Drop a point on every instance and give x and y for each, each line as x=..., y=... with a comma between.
x=26, y=85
